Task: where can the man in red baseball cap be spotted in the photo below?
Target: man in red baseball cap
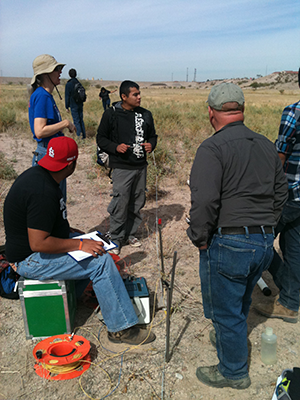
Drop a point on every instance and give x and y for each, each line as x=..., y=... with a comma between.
x=38, y=238
x=61, y=151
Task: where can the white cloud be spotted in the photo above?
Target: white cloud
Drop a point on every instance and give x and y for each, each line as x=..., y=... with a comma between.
x=149, y=38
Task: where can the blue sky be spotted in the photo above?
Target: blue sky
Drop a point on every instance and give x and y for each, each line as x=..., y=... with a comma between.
x=152, y=40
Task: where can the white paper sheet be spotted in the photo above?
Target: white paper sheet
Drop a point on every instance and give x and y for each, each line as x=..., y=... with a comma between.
x=79, y=255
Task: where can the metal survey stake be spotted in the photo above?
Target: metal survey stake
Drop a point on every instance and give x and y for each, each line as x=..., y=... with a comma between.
x=173, y=275
x=167, y=355
x=161, y=247
x=161, y=302
x=169, y=307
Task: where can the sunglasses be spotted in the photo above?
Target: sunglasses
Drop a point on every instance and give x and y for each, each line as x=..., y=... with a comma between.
x=58, y=68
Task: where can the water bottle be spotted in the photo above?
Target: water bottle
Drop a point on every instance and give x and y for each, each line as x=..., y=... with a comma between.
x=268, y=347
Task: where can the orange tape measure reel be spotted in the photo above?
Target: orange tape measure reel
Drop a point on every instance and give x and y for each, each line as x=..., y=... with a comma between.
x=62, y=357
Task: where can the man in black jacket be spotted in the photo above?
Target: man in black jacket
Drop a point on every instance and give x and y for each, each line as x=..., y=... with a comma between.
x=126, y=132
x=238, y=190
x=76, y=106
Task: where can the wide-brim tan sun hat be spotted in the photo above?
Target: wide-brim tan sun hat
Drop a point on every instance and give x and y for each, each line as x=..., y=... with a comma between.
x=44, y=64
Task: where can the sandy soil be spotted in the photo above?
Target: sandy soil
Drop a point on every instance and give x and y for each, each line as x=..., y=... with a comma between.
x=144, y=373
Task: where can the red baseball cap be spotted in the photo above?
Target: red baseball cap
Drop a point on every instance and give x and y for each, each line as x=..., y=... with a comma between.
x=60, y=151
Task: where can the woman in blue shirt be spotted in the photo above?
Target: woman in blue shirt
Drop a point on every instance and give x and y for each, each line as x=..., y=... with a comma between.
x=44, y=116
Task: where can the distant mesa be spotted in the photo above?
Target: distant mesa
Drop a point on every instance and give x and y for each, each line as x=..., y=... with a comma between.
x=284, y=80
x=159, y=84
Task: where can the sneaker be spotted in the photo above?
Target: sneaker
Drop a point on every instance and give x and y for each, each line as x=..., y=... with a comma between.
x=133, y=336
x=116, y=251
x=212, y=338
x=134, y=242
x=211, y=376
x=277, y=310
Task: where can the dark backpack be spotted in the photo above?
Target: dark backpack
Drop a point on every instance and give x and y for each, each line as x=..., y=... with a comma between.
x=8, y=280
x=79, y=94
x=102, y=157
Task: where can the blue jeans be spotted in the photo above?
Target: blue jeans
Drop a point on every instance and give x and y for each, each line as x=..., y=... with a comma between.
x=286, y=272
x=77, y=115
x=229, y=271
x=106, y=104
x=39, y=153
x=112, y=296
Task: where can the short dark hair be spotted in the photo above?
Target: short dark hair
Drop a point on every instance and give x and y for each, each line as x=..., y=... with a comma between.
x=72, y=73
x=126, y=86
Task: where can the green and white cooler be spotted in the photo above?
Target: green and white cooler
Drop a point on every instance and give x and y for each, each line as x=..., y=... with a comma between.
x=48, y=307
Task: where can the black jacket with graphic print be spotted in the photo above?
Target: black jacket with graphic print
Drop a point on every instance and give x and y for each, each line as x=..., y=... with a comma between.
x=130, y=127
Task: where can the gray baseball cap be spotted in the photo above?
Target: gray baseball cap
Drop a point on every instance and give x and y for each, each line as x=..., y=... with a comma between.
x=225, y=93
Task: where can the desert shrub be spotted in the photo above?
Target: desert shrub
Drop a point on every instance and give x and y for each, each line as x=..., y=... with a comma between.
x=7, y=117
x=166, y=116
x=6, y=170
x=264, y=120
x=91, y=175
x=160, y=163
x=21, y=105
x=94, y=107
x=90, y=127
x=256, y=85
x=86, y=84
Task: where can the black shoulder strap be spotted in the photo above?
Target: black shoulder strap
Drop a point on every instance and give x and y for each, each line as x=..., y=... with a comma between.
x=114, y=120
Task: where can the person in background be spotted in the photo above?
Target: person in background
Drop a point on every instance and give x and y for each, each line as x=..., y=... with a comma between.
x=286, y=271
x=38, y=238
x=238, y=190
x=104, y=96
x=44, y=117
x=76, y=107
x=126, y=132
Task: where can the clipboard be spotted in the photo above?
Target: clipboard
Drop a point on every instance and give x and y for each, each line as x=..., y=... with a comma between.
x=80, y=255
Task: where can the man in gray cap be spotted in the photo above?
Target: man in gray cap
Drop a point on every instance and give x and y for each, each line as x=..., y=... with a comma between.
x=238, y=190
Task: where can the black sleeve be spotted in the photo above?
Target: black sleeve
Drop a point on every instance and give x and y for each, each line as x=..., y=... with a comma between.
x=104, y=133
x=280, y=190
x=151, y=134
x=206, y=186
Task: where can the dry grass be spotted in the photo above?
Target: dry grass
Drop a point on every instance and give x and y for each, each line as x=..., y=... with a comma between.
x=180, y=117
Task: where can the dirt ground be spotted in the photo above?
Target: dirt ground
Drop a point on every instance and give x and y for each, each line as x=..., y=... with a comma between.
x=143, y=374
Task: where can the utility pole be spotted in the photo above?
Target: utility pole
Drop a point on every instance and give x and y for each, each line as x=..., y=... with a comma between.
x=195, y=72
x=187, y=74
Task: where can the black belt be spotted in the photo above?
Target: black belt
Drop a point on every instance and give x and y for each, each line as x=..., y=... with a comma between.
x=43, y=143
x=243, y=230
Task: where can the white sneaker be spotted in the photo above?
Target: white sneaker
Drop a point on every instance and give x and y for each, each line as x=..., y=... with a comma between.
x=116, y=251
x=134, y=242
